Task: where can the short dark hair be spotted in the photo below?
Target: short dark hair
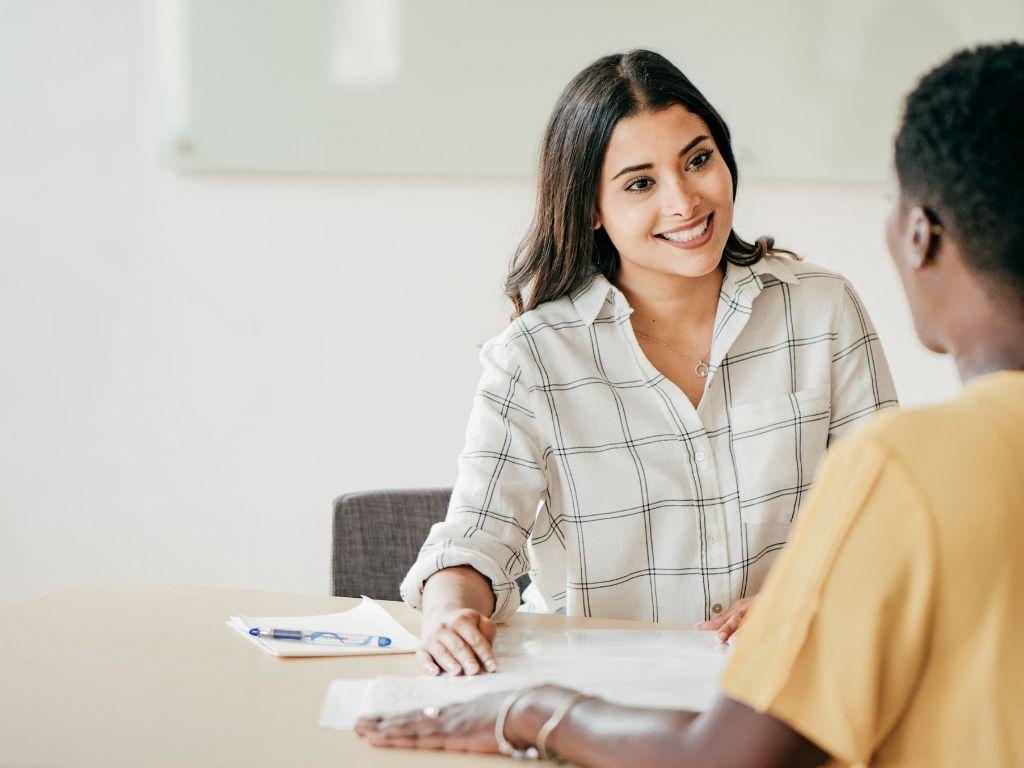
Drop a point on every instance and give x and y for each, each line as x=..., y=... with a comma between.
x=959, y=153
x=562, y=250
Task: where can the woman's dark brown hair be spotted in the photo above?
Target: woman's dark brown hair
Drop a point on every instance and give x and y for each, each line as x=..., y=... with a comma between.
x=562, y=249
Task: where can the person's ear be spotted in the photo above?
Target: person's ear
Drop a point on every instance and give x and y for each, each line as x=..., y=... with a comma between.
x=597, y=220
x=922, y=238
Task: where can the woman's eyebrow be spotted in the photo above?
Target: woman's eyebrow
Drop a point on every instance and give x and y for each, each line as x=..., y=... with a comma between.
x=645, y=166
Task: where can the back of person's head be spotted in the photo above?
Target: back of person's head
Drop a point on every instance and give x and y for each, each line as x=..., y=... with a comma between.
x=959, y=154
x=562, y=248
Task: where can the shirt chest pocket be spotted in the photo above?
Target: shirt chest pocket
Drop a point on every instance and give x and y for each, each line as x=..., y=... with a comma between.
x=777, y=444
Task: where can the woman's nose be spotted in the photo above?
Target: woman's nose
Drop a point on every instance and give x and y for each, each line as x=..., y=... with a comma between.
x=679, y=200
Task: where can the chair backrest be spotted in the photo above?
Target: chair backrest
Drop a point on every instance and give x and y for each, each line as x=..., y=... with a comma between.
x=377, y=535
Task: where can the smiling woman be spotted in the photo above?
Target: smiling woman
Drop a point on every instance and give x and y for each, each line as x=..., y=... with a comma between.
x=858, y=652
x=602, y=137
x=647, y=427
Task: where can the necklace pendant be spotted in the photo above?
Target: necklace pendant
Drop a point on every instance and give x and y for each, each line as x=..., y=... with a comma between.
x=702, y=369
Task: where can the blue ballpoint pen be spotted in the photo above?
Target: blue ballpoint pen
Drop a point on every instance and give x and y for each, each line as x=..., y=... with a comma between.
x=332, y=638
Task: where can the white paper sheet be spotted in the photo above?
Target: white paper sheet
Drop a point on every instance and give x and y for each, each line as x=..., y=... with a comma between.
x=678, y=670
x=343, y=703
x=367, y=618
x=614, y=643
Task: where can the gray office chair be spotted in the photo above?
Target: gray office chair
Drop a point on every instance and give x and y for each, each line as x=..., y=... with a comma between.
x=377, y=535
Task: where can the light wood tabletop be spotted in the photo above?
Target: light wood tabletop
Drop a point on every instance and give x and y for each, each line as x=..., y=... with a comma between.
x=138, y=674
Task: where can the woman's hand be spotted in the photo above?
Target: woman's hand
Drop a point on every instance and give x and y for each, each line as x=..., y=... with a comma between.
x=467, y=727
x=727, y=624
x=457, y=641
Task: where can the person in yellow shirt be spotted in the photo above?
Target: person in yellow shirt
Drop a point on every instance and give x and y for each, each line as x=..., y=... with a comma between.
x=888, y=633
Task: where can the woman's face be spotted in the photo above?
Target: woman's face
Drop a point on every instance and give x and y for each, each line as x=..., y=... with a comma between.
x=665, y=198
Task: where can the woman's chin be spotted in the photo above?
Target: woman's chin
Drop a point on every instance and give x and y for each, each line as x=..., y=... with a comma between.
x=662, y=262
x=692, y=265
x=698, y=269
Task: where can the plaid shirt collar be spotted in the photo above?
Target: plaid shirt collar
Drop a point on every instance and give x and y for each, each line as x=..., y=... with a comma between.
x=741, y=285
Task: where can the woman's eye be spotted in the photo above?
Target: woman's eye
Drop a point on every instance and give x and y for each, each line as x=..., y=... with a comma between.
x=640, y=185
x=700, y=159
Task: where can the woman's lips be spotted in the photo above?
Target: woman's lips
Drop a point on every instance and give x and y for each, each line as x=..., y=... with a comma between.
x=697, y=242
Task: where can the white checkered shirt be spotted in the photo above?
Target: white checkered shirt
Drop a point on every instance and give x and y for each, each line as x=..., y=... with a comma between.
x=586, y=466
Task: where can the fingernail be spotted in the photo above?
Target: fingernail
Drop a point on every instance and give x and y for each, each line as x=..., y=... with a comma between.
x=491, y=666
x=472, y=669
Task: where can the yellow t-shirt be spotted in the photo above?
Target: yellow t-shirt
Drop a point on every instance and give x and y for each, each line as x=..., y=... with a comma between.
x=891, y=630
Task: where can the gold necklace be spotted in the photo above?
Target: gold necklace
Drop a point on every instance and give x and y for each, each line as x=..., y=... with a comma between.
x=701, y=369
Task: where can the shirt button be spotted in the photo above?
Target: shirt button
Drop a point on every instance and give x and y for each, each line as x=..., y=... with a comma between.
x=700, y=456
x=716, y=608
x=713, y=537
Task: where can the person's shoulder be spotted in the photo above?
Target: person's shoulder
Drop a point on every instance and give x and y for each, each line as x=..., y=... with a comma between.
x=576, y=309
x=983, y=401
x=816, y=290
x=900, y=429
x=522, y=331
x=809, y=277
x=804, y=283
x=558, y=313
x=942, y=439
x=959, y=461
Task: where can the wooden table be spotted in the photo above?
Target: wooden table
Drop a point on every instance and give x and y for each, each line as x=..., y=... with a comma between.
x=135, y=674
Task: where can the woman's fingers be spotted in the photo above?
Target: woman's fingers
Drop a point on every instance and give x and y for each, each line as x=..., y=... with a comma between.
x=367, y=725
x=409, y=729
x=442, y=656
x=714, y=623
x=466, y=640
x=479, y=639
x=408, y=737
x=731, y=625
x=460, y=650
x=458, y=642
x=729, y=618
x=463, y=727
x=427, y=662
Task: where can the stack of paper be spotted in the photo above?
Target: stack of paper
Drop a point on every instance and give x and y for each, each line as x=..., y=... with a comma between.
x=367, y=618
x=631, y=667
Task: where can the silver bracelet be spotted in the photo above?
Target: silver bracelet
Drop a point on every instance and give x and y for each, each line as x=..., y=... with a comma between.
x=504, y=746
x=554, y=721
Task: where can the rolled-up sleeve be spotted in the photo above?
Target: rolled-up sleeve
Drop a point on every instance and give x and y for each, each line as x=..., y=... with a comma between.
x=861, y=381
x=500, y=482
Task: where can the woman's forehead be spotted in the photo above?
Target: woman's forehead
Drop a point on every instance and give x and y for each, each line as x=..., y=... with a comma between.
x=653, y=131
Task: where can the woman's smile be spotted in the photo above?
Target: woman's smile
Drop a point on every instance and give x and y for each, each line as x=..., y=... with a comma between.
x=691, y=237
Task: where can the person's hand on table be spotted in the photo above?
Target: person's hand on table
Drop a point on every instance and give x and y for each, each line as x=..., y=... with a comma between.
x=727, y=624
x=467, y=727
x=457, y=641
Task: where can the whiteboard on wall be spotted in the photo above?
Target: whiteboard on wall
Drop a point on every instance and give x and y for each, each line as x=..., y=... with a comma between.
x=810, y=88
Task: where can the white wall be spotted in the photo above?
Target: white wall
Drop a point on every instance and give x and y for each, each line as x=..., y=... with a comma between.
x=192, y=367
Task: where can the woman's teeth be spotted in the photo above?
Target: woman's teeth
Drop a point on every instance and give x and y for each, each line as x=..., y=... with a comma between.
x=686, y=235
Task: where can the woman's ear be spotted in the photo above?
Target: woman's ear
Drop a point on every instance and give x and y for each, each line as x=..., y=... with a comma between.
x=922, y=238
x=597, y=220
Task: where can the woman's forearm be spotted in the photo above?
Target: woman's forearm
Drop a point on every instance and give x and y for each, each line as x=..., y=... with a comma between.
x=596, y=733
x=458, y=587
